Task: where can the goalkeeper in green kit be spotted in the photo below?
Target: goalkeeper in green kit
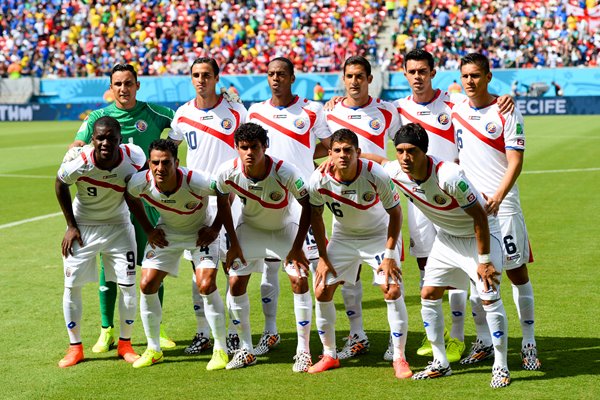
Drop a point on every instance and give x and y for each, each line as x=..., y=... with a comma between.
x=141, y=123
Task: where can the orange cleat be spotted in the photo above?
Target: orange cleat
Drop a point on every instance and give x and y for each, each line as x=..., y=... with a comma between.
x=402, y=369
x=327, y=362
x=74, y=356
x=126, y=352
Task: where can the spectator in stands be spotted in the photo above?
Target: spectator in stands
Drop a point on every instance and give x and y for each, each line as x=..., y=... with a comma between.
x=318, y=92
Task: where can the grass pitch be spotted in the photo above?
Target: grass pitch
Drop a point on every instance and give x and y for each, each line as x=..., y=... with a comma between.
x=559, y=196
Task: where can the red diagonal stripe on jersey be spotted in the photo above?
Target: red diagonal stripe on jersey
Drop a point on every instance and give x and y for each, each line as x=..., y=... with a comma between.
x=219, y=135
x=453, y=204
x=303, y=139
x=497, y=144
x=254, y=197
x=379, y=140
x=348, y=201
x=447, y=134
x=167, y=208
x=107, y=185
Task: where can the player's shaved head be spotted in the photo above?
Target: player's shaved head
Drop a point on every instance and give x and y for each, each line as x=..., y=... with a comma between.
x=412, y=134
x=250, y=132
x=164, y=145
x=345, y=136
x=108, y=122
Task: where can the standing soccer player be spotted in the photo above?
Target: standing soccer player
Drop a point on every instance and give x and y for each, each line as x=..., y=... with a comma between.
x=207, y=124
x=466, y=247
x=181, y=197
x=375, y=122
x=267, y=228
x=98, y=223
x=367, y=222
x=294, y=125
x=491, y=146
x=141, y=124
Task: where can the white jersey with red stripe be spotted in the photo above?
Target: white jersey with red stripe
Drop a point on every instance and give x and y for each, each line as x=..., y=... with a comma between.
x=436, y=118
x=374, y=123
x=100, y=193
x=293, y=130
x=358, y=207
x=442, y=196
x=185, y=210
x=208, y=133
x=483, y=137
x=266, y=202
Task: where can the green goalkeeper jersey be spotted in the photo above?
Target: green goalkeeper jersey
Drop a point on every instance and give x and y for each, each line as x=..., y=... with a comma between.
x=141, y=125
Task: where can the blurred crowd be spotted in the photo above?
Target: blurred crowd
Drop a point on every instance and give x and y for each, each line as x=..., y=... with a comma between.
x=513, y=34
x=60, y=38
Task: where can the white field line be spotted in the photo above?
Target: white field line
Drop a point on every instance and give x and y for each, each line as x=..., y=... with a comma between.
x=24, y=221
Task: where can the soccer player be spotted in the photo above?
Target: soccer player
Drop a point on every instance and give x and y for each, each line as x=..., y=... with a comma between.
x=466, y=247
x=367, y=220
x=207, y=124
x=491, y=146
x=375, y=122
x=98, y=223
x=297, y=133
x=141, y=124
x=267, y=228
x=181, y=198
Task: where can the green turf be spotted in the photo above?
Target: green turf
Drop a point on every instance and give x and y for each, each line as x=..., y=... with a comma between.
x=561, y=210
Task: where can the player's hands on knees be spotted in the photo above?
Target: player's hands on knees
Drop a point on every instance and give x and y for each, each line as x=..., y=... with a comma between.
x=206, y=235
x=157, y=238
x=506, y=104
x=489, y=276
x=390, y=270
x=298, y=259
x=234, y=254
x=492, y=204
x=332, y=102
x=324, y=267
x=72, y=235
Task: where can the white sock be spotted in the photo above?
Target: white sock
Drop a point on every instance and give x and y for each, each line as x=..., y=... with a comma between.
x=523, y=297
x=303, y=311
x=215, y=315
x=240, y=308
x=269, y=294
x=151, y=313
x=496, y=318
x=325, y=313
x=433, y=320
x=458, y=305
x=422, y=276
x=398, y=320
x=231, y=327
x=481, y=326
x=127, y=310
x=202, y=327
x=73, y=310
x=352, y=295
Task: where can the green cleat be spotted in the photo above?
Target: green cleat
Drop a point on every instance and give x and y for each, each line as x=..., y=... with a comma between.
x=165, y=341
x=218, y=361
x=425, y=350
x=106, y=339
x=149, y=358
x=454, y=350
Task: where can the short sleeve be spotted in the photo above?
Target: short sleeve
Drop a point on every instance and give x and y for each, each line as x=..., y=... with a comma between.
x=453, y=181
x=514, y=132
x=313, y=189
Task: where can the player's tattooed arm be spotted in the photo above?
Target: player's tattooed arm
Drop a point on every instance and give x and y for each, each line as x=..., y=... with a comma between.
x=72, y=234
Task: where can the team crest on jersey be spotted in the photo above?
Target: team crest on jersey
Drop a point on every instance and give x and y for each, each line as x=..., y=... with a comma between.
x=226, y=123
x=368, y=196
x=300, y=123
x=141, y=125
x=443, y=119
x=68, y=272
x=491, y=128
x=375, y=124
x=150, y=254
x=235, y=265
x=191, y=205
x=276, y=196
x=439, y=199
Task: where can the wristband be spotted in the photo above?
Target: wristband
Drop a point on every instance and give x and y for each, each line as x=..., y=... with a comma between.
x=484, y=258
x=390, y=253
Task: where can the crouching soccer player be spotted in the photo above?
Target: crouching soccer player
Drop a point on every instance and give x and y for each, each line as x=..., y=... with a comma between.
x=98, y=223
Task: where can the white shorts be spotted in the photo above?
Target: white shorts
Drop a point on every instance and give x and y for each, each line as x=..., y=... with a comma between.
x=453, y=262
x=515, y=241
x=422, y=232
x=346, y=255
x=167, y=259
x=116, y=243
